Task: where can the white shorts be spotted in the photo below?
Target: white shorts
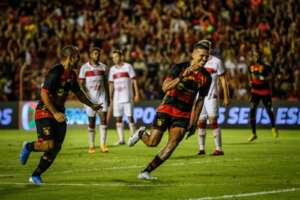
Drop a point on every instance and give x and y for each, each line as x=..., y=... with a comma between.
x=119, y=109
x=210, y=108
x=91, y=113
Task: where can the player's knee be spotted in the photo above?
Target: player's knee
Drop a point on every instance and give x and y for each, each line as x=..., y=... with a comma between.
x=214, y=123
x=202, y=124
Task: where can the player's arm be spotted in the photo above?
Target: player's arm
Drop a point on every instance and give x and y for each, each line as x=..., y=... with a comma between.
x=59, y=116
x=197, y=107
x=225, y=89
x=136, y=90
x=85, y=100
x=169, y=84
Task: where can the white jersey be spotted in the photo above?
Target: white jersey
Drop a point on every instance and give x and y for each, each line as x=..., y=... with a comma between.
x=93, y=75
x=121, y=77
x=215, y=67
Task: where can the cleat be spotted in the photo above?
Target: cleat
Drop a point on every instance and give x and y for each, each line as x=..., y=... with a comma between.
x=136, y=136
x=37, y=180
x=217, y=153
x=103, y=148
x=24, y=155
x=252, y=138
x=120, y=143
x=146, y=176
x=275, y=132
x=201, y=152
x=92, y=150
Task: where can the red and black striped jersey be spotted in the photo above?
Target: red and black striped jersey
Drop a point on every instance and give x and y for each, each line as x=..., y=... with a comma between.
x=178, y=101
x=258, y=78
x=57, y=84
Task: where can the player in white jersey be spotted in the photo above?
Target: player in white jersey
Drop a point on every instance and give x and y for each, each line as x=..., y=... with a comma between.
x=93, y=79
x=121, y=84
x=211, y=104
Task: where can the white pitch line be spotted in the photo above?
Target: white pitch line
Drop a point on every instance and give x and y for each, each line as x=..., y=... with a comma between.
x=231, y=196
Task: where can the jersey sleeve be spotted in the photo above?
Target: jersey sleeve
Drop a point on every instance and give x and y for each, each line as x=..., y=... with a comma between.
x=131, y=71
x=82, y=73
x=50, y=81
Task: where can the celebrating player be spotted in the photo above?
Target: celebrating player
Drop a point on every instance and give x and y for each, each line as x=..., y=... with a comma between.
x=181, y=86
x=93, y=79
x=260, y=77
x=121, y=83
x=211, y=103
x=49, y=115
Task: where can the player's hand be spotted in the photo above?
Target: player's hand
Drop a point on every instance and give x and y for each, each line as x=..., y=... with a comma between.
x=60, y=117
x=96, y=107
x=187, y=71
x=191, y=131
x=137, y=98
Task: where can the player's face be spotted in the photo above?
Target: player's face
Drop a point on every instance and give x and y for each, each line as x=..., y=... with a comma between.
x=116, y=58
x=95, y=55
x=200, y=56
x=74, y=59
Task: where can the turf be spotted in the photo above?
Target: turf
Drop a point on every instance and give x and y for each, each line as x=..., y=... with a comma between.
x=262, y=166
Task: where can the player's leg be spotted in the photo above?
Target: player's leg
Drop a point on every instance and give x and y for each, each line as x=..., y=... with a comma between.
x=151, y=138
x=128, y=110
x=55, y=132
x=254, y=101
x=44, y=142
x=217, y=136
x=91, y=128
x=118, y=111
x=175, y=136
x=202, y=129
x=103, y=132
x=212, y=111
x=267, y=101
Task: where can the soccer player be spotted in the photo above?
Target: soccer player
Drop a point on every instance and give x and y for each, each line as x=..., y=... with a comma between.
x=121, y=84
x=181, y=87
x=260, y=77
x=211, y=103
x=93, y=79
x=49, y=114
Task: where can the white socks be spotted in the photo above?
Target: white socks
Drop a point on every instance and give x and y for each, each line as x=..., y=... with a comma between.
x=201, y=138
x=131, y=128
x=218, y=138
x=91, y=133
x=120, y=131
x=103, y=134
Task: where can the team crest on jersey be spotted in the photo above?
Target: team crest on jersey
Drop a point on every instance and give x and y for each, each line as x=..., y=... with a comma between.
x=159, y=122
x=46, y=130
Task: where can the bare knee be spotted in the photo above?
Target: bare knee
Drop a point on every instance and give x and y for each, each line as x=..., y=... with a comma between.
x=46, y=145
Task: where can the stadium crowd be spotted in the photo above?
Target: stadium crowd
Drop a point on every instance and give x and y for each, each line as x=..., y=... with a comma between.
x=154, y=34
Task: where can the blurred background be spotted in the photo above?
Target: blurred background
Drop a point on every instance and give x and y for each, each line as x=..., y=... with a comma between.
x=154, y=34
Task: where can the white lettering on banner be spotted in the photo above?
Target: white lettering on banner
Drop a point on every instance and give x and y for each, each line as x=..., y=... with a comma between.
x=281, y=115
x=6, y=116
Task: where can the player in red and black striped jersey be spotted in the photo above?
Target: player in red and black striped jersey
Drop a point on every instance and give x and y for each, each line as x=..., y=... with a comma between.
x=181, y=87
x=260, y=76
x=49, y=116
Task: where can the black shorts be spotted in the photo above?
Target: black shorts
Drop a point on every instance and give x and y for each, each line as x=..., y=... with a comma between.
x=164, y=121
x=50, y=129
x=255, y=99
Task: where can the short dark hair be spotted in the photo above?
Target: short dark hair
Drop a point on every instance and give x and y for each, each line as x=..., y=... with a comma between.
x=203, y=44
x=68, y=51
x=118, y=51
x=95, y=49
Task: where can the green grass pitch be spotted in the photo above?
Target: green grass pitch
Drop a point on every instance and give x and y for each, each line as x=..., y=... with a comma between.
x=266, y=169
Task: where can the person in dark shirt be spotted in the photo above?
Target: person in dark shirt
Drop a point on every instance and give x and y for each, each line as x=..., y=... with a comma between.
x=260, y=78
x=49, y=115
x=179, y=109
